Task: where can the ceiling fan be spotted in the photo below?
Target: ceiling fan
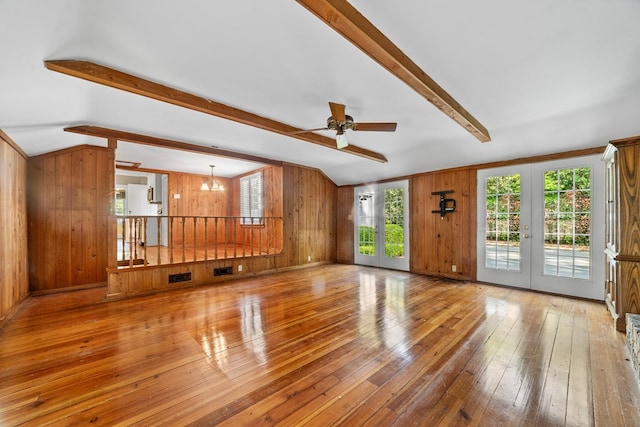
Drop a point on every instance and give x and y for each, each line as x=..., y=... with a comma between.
x=340, y=122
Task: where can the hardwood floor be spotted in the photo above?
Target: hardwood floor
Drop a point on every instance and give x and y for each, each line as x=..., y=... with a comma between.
x=329, y=345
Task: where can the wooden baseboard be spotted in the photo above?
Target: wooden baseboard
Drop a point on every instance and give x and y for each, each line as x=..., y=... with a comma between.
x=5, y=319
x=69, y=289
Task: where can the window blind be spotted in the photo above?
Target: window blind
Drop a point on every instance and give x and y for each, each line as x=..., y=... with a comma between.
x=251, y=203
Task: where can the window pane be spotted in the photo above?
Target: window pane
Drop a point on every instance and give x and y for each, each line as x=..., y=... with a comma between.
x=583, y=201
x=514, y=203
x=583, y=178
x=251, y=199
x=491, y=185
x=567, y=221
x=394, y=222
x=503, y=222
x=366, y=223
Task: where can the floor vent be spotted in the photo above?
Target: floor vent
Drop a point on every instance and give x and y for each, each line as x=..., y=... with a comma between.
x=180, y=277
x=222, y=271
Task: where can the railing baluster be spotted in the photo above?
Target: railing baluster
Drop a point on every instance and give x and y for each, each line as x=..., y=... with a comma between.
x=251, y=233
x=132, y=239
x=235, y=240
x=206, y=237
x=215, y=238
x=159, y=231
x=228, y=230
x=244, y=238
x=170, y=241
x=124, y=239
x=226, y=238
x=195, y=238
x=184, y=237
x=260, y=239
x=145, y=240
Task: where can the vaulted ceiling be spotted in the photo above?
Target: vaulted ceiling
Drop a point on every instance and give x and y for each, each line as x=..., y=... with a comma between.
x=539, y=77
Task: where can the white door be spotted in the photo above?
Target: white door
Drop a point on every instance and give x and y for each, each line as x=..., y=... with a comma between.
x=381, y=232
x=138, y=205
x=538, y=225
x=504, y=226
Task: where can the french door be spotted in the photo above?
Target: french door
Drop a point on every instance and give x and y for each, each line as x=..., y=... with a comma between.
x=540, y=226
x=381, y=232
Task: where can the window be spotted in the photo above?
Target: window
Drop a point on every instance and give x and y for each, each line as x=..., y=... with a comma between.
x=567, y=222
x=251, y=199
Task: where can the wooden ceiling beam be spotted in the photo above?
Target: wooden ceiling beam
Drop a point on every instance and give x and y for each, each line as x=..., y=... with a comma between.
x=120, y=135
x=343, y=18
x=117, y=79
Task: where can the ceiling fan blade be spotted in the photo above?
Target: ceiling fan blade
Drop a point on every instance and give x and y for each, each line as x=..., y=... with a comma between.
x=337, y=112
x=379, y=127
x=307, y=130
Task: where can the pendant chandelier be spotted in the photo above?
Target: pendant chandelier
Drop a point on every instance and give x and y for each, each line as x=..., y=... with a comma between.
x=211, y=184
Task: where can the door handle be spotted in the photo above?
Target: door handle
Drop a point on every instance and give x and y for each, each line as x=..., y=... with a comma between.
x=526, y=236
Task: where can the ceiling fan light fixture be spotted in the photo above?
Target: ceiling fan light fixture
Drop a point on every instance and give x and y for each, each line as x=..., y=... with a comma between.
x=341, y=139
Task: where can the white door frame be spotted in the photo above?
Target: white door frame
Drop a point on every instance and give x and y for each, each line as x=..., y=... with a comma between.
x=531, y=274
x=379, y=259
x=521, y=277
x=593, y=287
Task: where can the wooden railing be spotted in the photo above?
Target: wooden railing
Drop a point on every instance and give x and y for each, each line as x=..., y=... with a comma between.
x=161, y=240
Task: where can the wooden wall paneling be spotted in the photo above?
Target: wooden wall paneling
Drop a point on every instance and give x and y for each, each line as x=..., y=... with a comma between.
x=290, y=217
x=48, y=239
x=107, y=225
x=438, y=243
x=37, y=220
x=303, y=244
x=90, y=218
x=62, y=222
x=46, y=272
x=310, y=223
x=14, y=284
x=332, y=220
x=77, y=189
x=419, y=206
x=195, y=202
x=277, y=207
x=272, y=178
x=344, y=226
x=68, y=218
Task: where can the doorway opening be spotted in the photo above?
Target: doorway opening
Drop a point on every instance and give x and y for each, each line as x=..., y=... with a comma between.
x=540, y=226
x=382, y=228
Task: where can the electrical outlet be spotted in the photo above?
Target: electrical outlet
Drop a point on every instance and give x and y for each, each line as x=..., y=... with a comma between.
x=309, y=258
x=454, y=268
x=239, y=267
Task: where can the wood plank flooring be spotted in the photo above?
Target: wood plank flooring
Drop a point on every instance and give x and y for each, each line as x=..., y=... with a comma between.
x=328, y=345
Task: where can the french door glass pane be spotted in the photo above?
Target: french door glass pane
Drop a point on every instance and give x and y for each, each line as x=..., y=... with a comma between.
x=502, y=222
x=393, y=222
x=567, y=222
x=366, y=224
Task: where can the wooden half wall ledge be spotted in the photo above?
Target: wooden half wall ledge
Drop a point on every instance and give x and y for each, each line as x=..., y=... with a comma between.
x=346, y=20
x=119, y=80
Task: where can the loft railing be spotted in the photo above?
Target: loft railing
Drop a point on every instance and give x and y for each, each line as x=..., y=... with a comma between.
x=160, y=240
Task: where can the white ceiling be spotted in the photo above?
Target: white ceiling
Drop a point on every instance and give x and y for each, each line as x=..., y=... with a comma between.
x=542, y=76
